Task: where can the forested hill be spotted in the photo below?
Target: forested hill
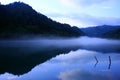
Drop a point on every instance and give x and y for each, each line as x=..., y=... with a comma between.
x=105, y=31
x=19, y=18
x=114, y=34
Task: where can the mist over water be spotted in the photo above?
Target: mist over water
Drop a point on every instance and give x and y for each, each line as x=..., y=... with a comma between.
x=95, y=44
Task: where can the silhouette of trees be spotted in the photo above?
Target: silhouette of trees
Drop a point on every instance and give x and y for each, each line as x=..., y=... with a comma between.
x=115, y=34
x=20, y=18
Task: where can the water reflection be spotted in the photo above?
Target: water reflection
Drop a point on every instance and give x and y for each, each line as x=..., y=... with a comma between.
x=18, y=62
x=48, y=59
x=81, y=75
x=77, y=65
x=98, y=61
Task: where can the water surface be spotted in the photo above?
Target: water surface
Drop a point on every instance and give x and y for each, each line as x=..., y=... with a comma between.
x=60, y=59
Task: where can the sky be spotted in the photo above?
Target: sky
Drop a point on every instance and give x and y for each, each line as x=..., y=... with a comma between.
x=80, y=13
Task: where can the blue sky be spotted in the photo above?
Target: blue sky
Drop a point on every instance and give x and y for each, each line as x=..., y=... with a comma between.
x=81, y=13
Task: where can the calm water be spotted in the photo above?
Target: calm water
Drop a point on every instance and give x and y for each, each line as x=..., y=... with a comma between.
x=60, y=59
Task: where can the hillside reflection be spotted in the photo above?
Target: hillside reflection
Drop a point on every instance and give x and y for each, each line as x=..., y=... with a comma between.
x=18, y=62
x=74, y=65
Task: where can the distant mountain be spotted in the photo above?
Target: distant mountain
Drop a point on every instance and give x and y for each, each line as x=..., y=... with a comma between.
x=105, y=31
x=115, y=34
x=19, y=18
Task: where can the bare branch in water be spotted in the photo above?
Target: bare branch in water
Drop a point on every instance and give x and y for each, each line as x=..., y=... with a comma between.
x=109, y=62
x=96, y=61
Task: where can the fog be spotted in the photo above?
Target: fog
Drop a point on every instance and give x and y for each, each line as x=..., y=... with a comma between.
x=95, y=44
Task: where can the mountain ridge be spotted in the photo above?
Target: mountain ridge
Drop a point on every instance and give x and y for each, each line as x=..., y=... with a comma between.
x=19, y=18
x=104, y=31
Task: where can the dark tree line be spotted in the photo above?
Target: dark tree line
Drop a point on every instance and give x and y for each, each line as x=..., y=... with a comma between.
x=115, y=34
x=20, y=18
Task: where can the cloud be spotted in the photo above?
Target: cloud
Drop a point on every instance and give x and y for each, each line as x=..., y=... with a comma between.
x=108, y=21
x=83, y=20
x=78, y=12
x=81, y=75
x=83, y=3
x=85, y=13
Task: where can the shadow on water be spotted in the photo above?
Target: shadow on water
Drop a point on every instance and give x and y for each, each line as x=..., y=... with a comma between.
x=18, y=62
